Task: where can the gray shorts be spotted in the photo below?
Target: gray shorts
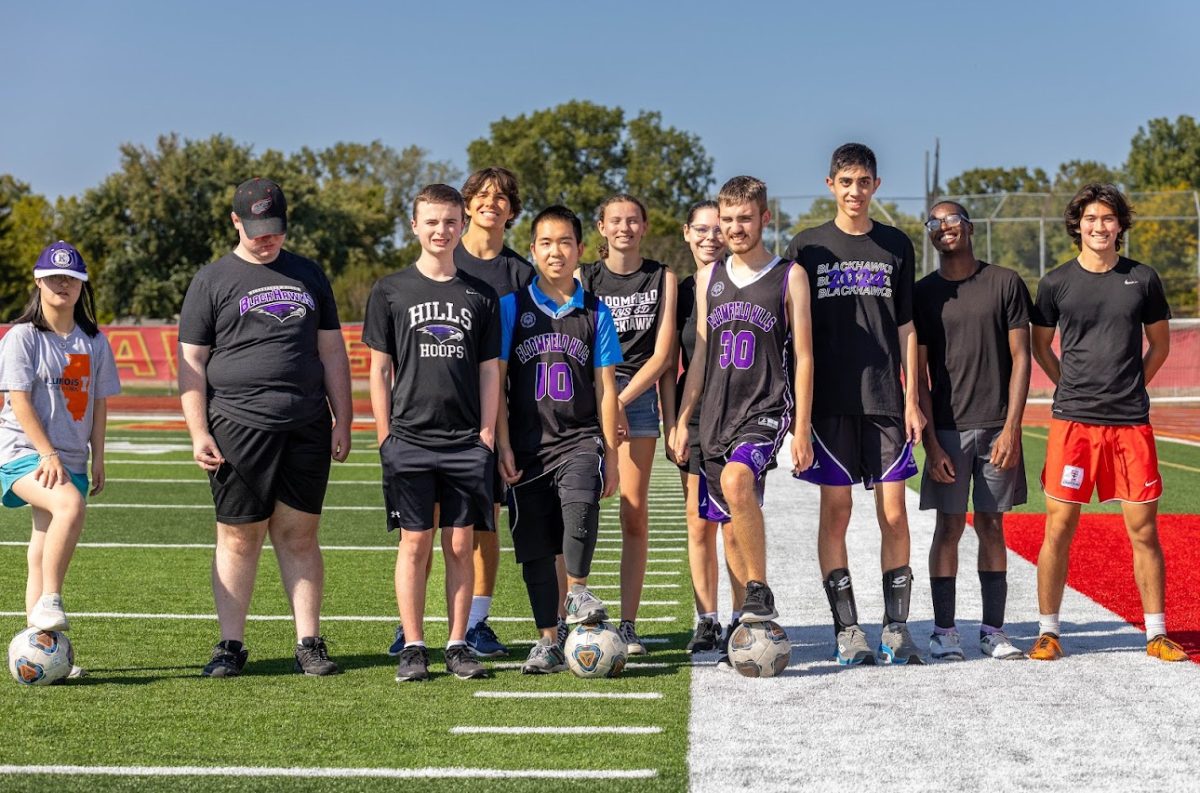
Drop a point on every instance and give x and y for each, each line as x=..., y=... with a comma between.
x=991, y=489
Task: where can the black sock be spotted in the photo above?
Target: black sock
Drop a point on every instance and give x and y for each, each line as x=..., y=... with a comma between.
x=581, y=524
x=841, y=599
x=541, y=582
x=994, y=585
x=897, y=592
x=943, y=600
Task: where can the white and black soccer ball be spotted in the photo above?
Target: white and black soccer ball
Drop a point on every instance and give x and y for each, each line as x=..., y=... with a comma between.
x=759, y=649
x=39, y=658
x=595, y=651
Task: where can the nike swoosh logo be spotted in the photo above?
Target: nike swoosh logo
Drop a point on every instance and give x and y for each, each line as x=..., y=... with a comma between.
x=1151, y=483
x=473, y=292
x=1130, y=283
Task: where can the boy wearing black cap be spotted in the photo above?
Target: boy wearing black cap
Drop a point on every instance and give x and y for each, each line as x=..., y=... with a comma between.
x=262, y=366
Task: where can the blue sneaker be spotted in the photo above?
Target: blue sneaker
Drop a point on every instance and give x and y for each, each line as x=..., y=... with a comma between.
x=397, y=645
x=483, y=641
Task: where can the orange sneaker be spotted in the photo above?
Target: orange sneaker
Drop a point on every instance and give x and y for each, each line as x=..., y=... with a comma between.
x=1046, y=648
x=1164, y=649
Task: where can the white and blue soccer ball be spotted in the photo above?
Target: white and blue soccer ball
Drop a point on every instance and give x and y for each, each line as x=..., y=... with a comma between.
x=759, y=649
x=39, y=658
x=595, y=651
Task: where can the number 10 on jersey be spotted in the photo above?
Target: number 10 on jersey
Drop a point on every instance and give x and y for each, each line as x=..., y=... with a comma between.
x=554, y=381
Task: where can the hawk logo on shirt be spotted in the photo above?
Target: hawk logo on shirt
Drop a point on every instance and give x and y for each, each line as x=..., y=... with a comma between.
x=279, y=302
x=443, y=333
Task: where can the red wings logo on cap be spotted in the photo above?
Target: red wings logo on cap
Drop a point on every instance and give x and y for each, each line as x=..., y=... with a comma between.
x=260, y=206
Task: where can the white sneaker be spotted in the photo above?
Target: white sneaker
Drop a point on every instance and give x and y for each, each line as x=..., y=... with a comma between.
x=946, y=647
x=998, y=646
x=48, y=614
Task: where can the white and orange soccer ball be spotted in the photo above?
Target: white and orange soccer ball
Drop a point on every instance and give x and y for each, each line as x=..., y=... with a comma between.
x=38, y=658
x=759, y=649
x=595, y=651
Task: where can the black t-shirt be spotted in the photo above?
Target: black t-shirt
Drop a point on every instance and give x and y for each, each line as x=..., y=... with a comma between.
x=1100, y=318
x=438, y=333
x=509, y=272
x=861, y=288
x=964, y=325
x=635, y=302
x=685, y=328
x=261, y=323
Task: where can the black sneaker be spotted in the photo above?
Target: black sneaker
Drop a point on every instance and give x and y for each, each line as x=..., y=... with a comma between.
x=414, y=664
x=759, y=605
x=723, y=661
x=228, y=659
x=313, y=659
x=707, y=636
x=461, y=663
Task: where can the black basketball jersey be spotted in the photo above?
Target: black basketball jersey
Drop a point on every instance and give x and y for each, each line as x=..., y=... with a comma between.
x=634, y=301
x=685, y=326
x=747, y=370
x=552, y=410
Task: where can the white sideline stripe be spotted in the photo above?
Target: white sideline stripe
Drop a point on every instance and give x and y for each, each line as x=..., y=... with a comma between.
x=122, y=615
x=614, y=572
x=645, y=640
x=629, y=665
x=649, y=539
x=644, y=586
x=328, y=773
x=648, y=561
x=567, y=695
x=377, y=548
x=555, y=730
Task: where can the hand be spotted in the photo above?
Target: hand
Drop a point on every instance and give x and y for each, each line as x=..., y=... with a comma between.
x=938, y=464
x=802, y=452
x=914, y=423
x=1006, y=449
x=612, y=474
x=487, y=437
x=622, y=424
x=50, y=472
x=340, y=441
x=670, y=444
x=682, y=448
x=97, y=475
x=508, y=465
x=205, y=452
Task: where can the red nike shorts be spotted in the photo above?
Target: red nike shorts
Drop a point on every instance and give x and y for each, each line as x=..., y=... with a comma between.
x=1120, y=462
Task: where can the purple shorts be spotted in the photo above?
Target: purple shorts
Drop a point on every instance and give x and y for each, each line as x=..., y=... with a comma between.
x=754, y=452
x=852, y=449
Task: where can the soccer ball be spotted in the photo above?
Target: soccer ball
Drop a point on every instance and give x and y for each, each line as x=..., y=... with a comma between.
x=38, y=658
x=595, y=651
x=759, y=649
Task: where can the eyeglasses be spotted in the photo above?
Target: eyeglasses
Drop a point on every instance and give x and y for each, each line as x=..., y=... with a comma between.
x=952, y=220
x=704, y=231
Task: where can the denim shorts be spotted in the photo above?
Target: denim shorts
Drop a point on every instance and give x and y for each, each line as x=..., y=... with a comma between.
x=642, y=413
x=13, y=470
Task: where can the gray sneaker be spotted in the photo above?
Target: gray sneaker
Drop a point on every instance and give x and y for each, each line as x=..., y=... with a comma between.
x=852, y=647
x=584, y=607
x=633, y=643
x=896, y=645
x=544, y=659
x=998, y=645
x=414, y=664
x=461, y=663
x=312, y=658
x=946, y=647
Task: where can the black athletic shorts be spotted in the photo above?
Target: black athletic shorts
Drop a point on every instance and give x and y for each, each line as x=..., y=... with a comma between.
x=695, y=460
x=416, y=479
x=535, y=507
x=265, y=466
x=867, y=449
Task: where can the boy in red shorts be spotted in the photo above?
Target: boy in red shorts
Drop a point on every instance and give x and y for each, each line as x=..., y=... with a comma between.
x=1100, y=434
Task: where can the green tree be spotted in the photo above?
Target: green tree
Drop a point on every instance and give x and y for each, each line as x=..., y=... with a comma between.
x=1165, y=153
x=980, y=181
x=26, y=226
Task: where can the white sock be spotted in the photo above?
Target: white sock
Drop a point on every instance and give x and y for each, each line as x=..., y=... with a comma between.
x=455, y=643
x=1156, y=625
x=1048, y=623
x=414, y=644
x=709, y=615
x=480, y=606
x=737, y=615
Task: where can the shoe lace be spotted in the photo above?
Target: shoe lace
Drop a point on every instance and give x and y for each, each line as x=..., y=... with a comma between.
x=484, y=631
x=412, y=654
x=628, y=632
x=319, y=649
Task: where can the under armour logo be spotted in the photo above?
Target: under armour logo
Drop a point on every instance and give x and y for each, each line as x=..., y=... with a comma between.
x=395, y=513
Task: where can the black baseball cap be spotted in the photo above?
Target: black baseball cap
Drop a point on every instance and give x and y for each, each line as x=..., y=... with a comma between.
x=260, y=205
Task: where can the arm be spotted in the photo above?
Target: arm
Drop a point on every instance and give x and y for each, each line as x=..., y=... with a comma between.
x=380, y=385
x=652, y=369
x=694, y=385
x=331, y=348
x=914, y=420
x=193, y=396
x=666, y=395
x=504, y=453
x=50, y=470
x=1158, y=335
x=802, y=387
x=489, y=401
x=937, y=461
x=606, y=398
x=1007, y=448
x=1043, y=352
x=96, y=440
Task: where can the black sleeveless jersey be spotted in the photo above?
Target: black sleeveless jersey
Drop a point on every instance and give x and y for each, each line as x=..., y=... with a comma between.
x=552, y=410
x=685, y=328
x=748, y=381
x=634, y=301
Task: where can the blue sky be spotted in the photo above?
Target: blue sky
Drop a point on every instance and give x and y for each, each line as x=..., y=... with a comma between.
x=770, y=88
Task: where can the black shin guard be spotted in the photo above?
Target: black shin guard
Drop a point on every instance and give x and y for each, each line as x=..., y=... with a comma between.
x=943, y=589
x=994, y=585
x=897, y=592
x=581, y=523
x=541, y=582
x=841, y=599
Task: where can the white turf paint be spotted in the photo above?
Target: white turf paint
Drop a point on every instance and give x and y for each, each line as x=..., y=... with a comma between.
x=595, y=573
x=645, y=640
x=327, y=773
x=567, y=694
x=124, y=615
x=555, y=730
x=1104, y=718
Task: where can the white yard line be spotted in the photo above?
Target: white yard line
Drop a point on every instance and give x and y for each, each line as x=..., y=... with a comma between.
x=327, y=773
x=591, y=730
x=567, y=695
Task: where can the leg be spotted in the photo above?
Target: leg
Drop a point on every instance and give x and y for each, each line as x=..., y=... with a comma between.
x=993, y=568
x=893, y=525
x=457, y=547
x=235, y=566
x=65, y=508
x=412, y=560
x=487, y=564
x=943, y=567
x=1141, y=521
x=294, y=535
x=37, y=543
x=746, y=537
x=702, y=548
x=836, y=505
x=635, y=460
x=1062, y=518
